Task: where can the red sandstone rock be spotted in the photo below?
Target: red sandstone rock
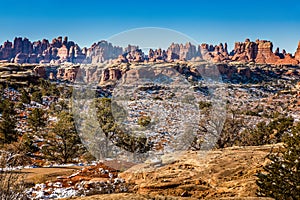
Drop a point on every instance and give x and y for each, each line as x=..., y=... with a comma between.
x=40, y=71
x=6, y=51
x=103, y=51
x=287, y=60
x=21, y=58
x=245, y=51
x=297, y=53
x=182, y=52
x=265, y=53
x=61, y=50
x=110, y=74
x=63, y=53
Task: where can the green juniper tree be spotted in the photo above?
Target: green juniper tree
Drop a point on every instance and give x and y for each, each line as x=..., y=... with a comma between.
x=25, y=98
x=37, y=119
x=62, y=143
x=37, y=97
x=8, y=132
x=281, y=177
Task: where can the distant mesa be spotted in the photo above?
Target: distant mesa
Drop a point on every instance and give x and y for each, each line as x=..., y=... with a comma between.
x=61, y=50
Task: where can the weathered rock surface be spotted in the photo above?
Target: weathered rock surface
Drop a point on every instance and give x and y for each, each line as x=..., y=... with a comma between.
x=103, y=51
x=182, y=52
x=23, y=51
x=108, y=74
x=297, y=53
x=216, y=174
x=16, y=73
x=261, y=52
x=219, y=174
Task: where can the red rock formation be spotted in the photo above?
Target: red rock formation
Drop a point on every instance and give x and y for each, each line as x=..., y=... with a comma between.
x=110, y=74
x=244, y=51
x=40, y=46
x=32, y=58
x=157, y=55
x=260, y=52
x=287, y=60
x=40, y=71
x=62, y=50
x=103, y=51
x=18, y=43
x=21, y=58
x=26, y=46
x=297, y=53
x=6, y=51
x=63, y=53
x=70, y=73
x=57, y=42
x=265, y=52
x=182, y=52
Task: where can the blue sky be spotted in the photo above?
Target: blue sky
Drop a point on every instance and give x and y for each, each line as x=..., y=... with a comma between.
x=213, y=22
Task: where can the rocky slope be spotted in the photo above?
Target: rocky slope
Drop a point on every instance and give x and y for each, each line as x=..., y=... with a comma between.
x=60, y=50
x=220, y=174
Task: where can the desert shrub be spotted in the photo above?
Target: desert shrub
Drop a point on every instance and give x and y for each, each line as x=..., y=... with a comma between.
x=204, y=104
x=144, y=121
x=37, y=119
x=25, y=98
x=16, y=154
x=12, y=184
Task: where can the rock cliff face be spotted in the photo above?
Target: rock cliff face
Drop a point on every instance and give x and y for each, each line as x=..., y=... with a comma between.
x=297, y=54
x=182, y=52
x=103, y=51
x=61, y=50
x=218, y=53
x=159, y=55
x=261, y=52
x=265, y=52
x=132, y=54
x=23, y=51
x=244, y=51
x=108, y=74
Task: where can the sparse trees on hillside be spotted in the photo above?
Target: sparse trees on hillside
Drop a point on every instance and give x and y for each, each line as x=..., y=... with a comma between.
x=264, y=133
x=233, y=125
x=112, y=131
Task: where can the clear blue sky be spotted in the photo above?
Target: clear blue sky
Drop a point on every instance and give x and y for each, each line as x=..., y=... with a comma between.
x=213, y=22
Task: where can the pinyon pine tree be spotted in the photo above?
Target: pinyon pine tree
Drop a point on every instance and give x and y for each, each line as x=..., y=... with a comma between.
x=8, y=133
x=281, y=179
